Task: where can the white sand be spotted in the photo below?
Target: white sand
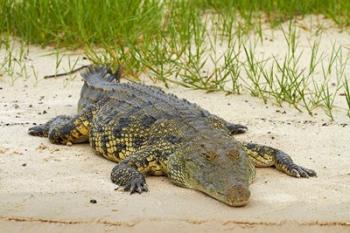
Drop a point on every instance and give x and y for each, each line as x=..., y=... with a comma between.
x=48, y=188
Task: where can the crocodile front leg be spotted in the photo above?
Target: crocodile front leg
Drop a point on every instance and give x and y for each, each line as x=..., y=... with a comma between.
x=265, y=156
x=129, y=173
x=129, y=177
x=231, y=128
x=236, y=128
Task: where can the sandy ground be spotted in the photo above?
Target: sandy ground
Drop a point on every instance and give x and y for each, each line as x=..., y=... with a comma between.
x=48, y=188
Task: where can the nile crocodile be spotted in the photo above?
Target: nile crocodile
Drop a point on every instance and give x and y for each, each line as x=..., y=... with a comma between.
x=147, y=131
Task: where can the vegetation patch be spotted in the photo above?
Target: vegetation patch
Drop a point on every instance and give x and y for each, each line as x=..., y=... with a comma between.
x=200, y=44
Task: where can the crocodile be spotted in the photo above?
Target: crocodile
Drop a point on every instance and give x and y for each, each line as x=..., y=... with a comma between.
x=149, y=132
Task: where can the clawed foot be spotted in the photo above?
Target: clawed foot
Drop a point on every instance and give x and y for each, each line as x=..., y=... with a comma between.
x=237, y=128
x=286, y=164
x=43, y=129
x=136, y=185
x=301, y=172
x=40, y=131
x=129, y=178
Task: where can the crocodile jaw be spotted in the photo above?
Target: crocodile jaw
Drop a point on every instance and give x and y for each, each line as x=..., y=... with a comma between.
x=222, y=179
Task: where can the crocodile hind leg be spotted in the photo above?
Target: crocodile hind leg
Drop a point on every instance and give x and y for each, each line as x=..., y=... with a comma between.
x=43, y=130
x=63, y=129
x=68, y=129
x=264, y=156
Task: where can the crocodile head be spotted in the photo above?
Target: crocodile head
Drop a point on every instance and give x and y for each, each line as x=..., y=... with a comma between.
x=216, y=166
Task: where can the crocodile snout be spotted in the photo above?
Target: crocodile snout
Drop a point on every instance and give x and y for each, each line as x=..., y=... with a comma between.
x=238, y=195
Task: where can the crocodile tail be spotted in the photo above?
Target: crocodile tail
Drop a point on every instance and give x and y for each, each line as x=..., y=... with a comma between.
x=98, y=81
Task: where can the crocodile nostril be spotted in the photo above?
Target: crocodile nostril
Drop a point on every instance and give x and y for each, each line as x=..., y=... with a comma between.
x=238, y=195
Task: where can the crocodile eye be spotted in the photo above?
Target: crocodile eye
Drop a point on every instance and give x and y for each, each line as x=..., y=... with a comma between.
x=233, y=154
x=210, y=156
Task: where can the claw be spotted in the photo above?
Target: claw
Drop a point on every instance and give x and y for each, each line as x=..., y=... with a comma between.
x=301, y=172
x=133, y=190
x=39, y=130
x=310, y=172
x=295, y=173
x=127, y=187
x=137, y=185
x=237, y=128
x=145, y=187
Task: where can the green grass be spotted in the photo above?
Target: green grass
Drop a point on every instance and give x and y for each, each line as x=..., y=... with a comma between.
x=128, y=22
x=77, y=23
x=347, y=94
x=179, y=41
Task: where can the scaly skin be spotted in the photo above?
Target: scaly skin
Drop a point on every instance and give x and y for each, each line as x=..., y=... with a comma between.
x=147, y=131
